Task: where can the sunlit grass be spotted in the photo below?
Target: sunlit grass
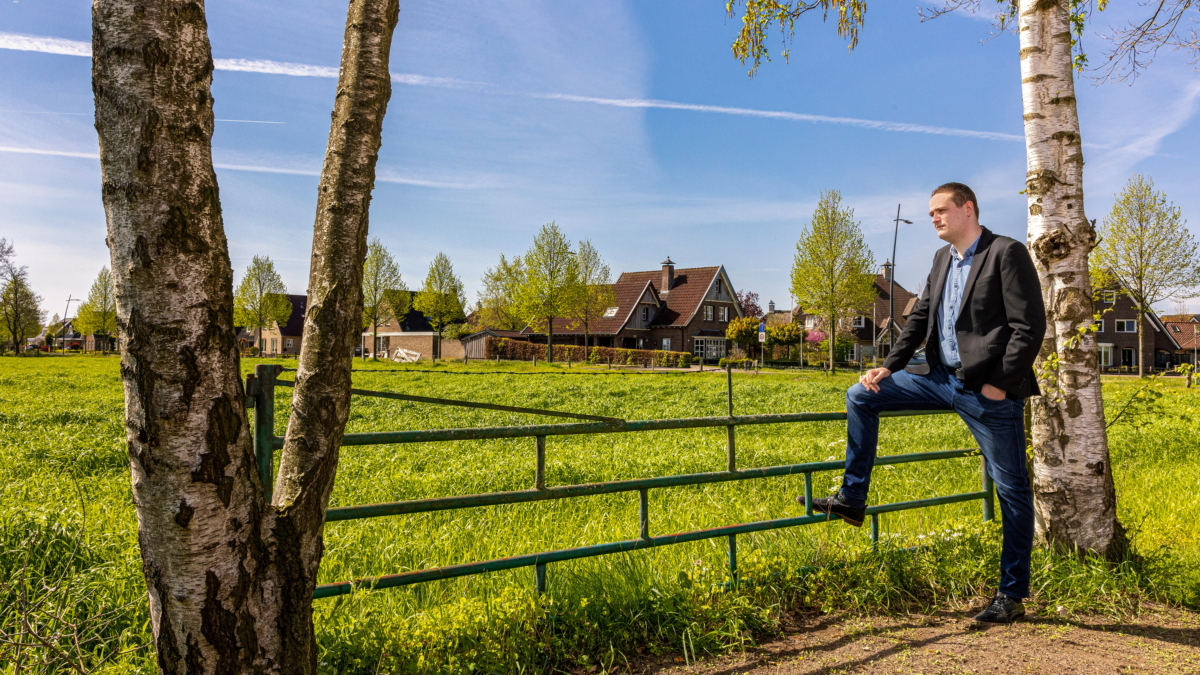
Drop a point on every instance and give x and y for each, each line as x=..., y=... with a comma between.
x=62, y=417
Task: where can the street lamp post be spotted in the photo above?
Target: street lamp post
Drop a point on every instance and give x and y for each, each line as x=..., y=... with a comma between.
x=892, y=279
x=66, y=311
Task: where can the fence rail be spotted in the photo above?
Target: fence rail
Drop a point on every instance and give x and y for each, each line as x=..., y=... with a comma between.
x=260, y=389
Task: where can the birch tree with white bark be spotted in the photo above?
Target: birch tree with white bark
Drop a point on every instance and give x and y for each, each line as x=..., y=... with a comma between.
x=229, y=574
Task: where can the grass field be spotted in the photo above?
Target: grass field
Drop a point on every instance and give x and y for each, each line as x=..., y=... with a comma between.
x=64, y=478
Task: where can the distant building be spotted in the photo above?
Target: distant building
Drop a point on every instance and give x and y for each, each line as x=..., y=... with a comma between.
x=666, y=309
x=278, y=340
x=1117, y=336
x=875, y=327
x=413, y=332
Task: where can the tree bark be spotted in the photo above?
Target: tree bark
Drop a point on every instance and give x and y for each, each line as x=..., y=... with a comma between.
x=550, y=339
x=321, y=401
x=1075, y=502
x=195, y=483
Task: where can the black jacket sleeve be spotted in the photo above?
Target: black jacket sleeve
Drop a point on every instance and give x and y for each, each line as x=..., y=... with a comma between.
x=1026, y=314
x=916, y=328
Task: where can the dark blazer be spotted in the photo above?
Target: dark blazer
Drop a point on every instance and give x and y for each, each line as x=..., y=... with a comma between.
x=1000, y=325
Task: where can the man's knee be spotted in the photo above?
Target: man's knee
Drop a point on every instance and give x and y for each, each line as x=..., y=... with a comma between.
x=857, y=396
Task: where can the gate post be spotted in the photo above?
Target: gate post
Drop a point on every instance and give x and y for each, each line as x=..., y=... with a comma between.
x=989, y=503
x=264, y=424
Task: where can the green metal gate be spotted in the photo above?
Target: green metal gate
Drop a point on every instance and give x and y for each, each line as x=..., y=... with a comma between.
x=260, y=389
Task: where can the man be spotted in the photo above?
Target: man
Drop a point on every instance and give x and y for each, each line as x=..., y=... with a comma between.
x=982, y=322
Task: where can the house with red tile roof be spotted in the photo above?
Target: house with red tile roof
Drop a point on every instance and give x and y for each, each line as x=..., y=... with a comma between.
x=685, y=309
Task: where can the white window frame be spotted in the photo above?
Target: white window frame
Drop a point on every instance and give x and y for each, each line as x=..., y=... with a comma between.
x=1123, y=324
x=1104, y=353
x=1100, y=326
x=723, y=314
x=274, y=345
x=698, y=347
x=666, y=345
x=645, y=314
x=288, y=343
x=858, y=322
x=708, y=312
x=1108, y=297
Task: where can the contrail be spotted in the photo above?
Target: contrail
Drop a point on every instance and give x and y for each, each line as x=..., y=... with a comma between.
x=779, y=114
x=75, y=48
x=383, y=176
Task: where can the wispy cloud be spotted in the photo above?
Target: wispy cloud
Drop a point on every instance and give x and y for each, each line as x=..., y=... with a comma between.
x=76, y=48
x=46, y=45
x=784, y=115
x=383, y=176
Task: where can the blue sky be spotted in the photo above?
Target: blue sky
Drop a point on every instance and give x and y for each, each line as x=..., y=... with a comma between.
x=627, y=123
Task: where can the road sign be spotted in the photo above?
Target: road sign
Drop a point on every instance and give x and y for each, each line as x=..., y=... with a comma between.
x=762, y=332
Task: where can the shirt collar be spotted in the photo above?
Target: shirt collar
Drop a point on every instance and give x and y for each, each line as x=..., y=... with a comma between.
x=969, y=253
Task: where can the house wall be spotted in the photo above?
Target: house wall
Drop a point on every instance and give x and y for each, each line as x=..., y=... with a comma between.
x=1152, y=340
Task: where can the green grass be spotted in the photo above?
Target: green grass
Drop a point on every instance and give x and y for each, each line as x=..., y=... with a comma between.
x=62, y=456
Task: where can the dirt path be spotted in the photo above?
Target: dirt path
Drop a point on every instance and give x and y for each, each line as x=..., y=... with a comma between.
x=1159, y=640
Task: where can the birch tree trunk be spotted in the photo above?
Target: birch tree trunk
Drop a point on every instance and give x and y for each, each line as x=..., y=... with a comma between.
x=333, y=323
x=195, y=482
x=1074, y=498
x=229, y=578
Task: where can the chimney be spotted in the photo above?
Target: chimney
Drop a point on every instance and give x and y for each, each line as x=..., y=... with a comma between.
x=771, y=306
x=886, y=271
x=668, y=275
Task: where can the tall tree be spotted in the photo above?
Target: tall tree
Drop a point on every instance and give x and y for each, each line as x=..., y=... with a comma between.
x=381, y=275
x=1146, y=249
x=498, y=300
x=551, y=281
x=748, y=301
x=261, y=299
x=441, y=297
x=244, y=605
x=20, y=315
x=98, y=314
x=333, y=322
x=594, y=292
x=831, y=274
x=1074, y=497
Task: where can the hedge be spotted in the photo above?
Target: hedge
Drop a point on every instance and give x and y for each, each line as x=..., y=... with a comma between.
x=519, y=350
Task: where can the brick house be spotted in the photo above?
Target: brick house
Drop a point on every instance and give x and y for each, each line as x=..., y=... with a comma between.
x=1117, y=337
x=279, y=339
x=1185, y=330
x=411, y=331
x=673, y=310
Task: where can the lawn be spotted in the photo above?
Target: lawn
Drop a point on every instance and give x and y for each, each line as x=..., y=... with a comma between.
x=64, y=478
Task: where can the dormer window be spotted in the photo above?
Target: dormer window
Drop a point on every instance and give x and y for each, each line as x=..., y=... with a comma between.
x=719, y=286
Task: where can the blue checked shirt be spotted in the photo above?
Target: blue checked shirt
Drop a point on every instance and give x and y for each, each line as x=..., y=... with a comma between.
x=956, y=280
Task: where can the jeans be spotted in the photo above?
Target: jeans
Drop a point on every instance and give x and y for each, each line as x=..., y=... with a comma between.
x=998, y=427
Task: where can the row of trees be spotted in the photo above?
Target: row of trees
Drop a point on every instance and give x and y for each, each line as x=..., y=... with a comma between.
x=261, y=299
x=550, y=281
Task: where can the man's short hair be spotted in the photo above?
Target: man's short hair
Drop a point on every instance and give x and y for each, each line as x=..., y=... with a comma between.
x=959, y=193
